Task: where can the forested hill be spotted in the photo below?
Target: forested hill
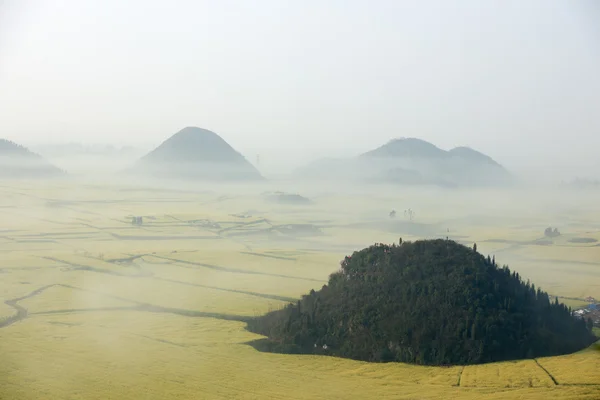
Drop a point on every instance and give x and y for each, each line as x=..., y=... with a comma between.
x=18, y=162
x=432, y=302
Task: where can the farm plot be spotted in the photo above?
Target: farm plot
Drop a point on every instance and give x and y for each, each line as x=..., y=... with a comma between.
x=142, y=355
x=109, y=310
x=574, y=369
x=526, y=373
x=63, y=297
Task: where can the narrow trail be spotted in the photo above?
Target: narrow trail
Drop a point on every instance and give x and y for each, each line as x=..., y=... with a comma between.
x=191, y=313
x=235, y=270
x=244, y=225
x=580, y=384
x=129, y=259
x=151, y=275
x=460, y=374
x=140, y=274
x=160, y=340
x=79, y=310
x=81, y=267
x=152, y=309
x=9, y=269
x=263, y=295
x=187, y=237
x=219, y=232
x=143, y=274
x=547, y=372
x=269, y=256
x=22, y=313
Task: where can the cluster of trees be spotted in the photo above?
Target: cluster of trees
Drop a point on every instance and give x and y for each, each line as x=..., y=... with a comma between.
x=10, y=147
x=549, y=232
x=409, y=213
x=17, y=161
x=431, y=302
x=137, y=221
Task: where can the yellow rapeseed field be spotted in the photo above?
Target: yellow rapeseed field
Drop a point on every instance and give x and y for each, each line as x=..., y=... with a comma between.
x=106, y=310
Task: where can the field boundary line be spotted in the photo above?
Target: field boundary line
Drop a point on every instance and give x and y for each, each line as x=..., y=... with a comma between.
x=82, y=267
x=235, y=270
x=248, y=293
x=547, y=372
x=458, y=383
x=268, y=256
x=79, y=310
x=22, y=313
x=580, y=384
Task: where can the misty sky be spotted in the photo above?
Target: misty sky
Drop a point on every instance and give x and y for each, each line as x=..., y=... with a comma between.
x=515, y=79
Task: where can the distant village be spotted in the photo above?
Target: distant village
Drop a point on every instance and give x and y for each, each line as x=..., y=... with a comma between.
x=592, y=311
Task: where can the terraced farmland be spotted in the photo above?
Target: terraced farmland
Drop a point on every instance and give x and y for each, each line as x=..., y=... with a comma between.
x=93, y=307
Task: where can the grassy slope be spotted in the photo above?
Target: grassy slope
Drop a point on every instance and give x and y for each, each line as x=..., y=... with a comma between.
x=123, y=353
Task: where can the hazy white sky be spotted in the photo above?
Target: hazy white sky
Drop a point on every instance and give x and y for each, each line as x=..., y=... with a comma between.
x=515, y=79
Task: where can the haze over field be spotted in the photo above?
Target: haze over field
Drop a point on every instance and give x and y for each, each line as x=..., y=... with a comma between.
x=90, y=296
x=299, y=200
x=296, y=82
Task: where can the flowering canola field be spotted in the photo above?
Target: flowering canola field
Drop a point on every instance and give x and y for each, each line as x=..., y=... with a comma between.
x=92, y=307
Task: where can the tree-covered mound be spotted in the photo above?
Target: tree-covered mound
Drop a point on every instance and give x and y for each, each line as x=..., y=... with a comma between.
x=432, y=302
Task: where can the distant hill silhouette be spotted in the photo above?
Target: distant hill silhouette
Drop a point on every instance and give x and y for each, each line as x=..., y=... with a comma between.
x=195, y=153
x=287, y=198
x=412, y=161
x=471, y=155
x=19, y=162
x=433, y=302
x=409, y=147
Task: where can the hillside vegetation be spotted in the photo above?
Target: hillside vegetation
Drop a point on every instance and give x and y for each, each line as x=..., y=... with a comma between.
x=431, y=302
x=17, y=161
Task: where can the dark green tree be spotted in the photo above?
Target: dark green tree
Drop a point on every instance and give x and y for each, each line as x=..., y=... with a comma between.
x=426, y=302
